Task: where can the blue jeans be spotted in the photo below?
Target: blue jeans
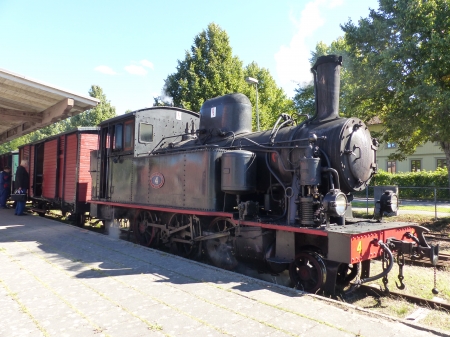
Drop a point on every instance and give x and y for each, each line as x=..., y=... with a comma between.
x=20, y=205
x=3, y=197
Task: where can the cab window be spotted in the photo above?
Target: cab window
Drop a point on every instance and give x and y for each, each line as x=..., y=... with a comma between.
x=118, y=137
x=145, y=133
x=128, y=135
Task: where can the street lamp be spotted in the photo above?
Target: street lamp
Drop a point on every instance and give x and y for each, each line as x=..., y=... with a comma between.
x=251, y=80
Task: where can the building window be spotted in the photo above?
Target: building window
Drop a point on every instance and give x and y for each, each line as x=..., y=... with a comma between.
x=391, y=145
x=128, y=137
x=416, y=165
x=145, y=133
x=391, y=166
x=442, y=163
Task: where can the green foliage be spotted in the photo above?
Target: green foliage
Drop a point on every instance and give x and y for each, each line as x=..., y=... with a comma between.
x=304, y=94
x=402, y=73
x=425, y=181
x=161, y=101
x=210, y=70
x=104, y=110
x=272, y=101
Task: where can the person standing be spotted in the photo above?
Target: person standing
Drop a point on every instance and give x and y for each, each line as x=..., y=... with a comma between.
x=5, y=186
x=22, y=183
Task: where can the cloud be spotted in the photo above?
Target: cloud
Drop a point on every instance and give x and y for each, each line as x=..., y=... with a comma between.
x=105, y=70
x=147, y=64
x=136, y=70
x=292, y=63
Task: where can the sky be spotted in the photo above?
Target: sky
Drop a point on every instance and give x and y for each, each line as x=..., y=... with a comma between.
x=129, y=48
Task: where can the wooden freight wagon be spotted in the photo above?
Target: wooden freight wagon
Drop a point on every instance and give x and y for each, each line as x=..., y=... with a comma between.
x=59, y=172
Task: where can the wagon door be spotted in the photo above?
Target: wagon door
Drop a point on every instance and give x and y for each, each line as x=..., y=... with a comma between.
x=50, y=167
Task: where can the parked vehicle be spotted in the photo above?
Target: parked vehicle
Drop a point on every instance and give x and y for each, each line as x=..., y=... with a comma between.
x=59, y=172
x=279, y=198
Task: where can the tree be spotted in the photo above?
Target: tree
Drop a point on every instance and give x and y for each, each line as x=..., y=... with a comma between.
x=208, y=70
x=272, y=100
x=104, y=110
x=304, y=94
x=403, y=71
x=161, y=101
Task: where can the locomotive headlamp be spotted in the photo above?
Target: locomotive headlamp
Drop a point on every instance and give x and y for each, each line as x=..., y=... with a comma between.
x=335, y=203
x=389, y=202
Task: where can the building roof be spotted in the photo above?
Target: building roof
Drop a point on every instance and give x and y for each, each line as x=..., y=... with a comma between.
x=27, y=105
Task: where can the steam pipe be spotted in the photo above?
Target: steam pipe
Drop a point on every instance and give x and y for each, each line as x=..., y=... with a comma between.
x=336, y=176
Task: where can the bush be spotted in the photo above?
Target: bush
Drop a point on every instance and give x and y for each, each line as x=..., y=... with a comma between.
x=413, y=185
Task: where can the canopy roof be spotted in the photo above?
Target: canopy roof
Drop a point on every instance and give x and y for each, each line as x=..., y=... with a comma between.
x=27, y=105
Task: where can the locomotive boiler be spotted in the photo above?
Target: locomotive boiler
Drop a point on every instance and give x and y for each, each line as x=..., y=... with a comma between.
x=279, y=198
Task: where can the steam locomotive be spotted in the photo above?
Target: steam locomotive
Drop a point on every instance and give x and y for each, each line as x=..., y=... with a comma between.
x=280, y=198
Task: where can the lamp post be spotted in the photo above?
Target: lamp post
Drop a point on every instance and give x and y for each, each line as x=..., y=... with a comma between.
x=251, y=80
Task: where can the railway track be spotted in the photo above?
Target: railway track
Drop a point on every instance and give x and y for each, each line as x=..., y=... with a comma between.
x=437, y=236
x=434, y=304
x=443, y=262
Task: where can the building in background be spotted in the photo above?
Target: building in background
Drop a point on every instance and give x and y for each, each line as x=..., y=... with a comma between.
x=427, y=157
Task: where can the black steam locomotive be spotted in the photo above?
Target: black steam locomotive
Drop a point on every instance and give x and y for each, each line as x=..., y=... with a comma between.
x=207, y=184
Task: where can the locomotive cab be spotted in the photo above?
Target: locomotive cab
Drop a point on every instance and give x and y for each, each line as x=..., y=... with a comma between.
x=120, y=166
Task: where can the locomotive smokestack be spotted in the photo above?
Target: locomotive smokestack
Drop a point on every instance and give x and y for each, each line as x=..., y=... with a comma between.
x=326, y=86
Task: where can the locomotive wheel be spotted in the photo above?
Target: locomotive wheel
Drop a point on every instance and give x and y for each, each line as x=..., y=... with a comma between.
x=177, y=220
x=144, y=234
x=347, y=272
x=308, y=272
x=220, y=250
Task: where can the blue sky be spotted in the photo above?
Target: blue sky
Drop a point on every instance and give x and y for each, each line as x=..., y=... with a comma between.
x=129, y=47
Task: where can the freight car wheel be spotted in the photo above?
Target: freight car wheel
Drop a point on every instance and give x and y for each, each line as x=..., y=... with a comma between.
x=145, y=234
x=308, y=272
x=220, y=250
x=346, y=273
x=185, y=228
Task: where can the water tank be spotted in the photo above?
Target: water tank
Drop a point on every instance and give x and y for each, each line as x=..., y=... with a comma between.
x=238, y=172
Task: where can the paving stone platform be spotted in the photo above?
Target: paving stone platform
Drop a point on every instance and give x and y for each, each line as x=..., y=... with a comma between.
x=60, y=280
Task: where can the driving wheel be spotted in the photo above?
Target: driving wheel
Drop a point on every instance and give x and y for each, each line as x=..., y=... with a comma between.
x=308, y=272
x=220, y=251
x=144, y=233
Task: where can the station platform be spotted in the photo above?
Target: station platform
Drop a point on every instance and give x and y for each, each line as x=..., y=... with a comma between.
x=60, y=280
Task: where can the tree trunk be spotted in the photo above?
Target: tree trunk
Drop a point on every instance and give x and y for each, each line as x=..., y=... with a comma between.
x=446, y=147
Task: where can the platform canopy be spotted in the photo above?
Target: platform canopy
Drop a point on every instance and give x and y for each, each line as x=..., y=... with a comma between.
x=27, y=105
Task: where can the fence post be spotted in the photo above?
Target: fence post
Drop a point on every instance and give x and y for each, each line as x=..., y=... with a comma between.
x=435, y=205
x=367, y=200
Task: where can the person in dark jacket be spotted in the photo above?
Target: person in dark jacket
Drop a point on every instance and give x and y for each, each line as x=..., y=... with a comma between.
x=5, y=186
x=22, y=183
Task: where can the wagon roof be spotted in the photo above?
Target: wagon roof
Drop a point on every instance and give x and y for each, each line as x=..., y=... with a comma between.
x=27, y=105
x=84, y=129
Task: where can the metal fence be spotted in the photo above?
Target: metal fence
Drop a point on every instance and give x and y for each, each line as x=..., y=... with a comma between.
x=420, y=196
